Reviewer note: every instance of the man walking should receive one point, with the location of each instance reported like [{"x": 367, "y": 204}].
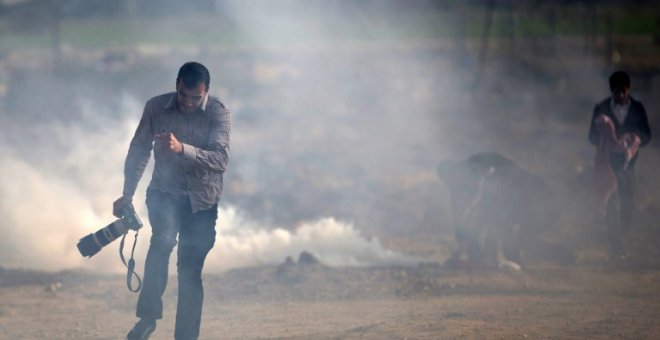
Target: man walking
[{"x": 189, "y": 132}]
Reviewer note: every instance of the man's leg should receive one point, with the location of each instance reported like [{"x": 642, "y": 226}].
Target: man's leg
[
  {"x": 164, "y": 219},
  {"x": 196, "y": 238},
  {"x": 626, "y": 183},
  {"x": 619, "y": 212},
  {"x": 492, "y": 243},
  {"x": 613, "y": 222},
  {"x": 510, "y": 243}
]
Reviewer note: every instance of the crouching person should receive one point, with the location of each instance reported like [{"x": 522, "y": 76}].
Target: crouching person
[{"x": 499, "y": 211}]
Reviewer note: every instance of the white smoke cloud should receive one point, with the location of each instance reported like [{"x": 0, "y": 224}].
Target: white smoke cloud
[
  {"x": 45, "y": 215},
  {"x": 48, "y": 204},
  {"x": 42, "y": 217},
  {"x": 242, "y": 242},
  {"x": 50, "y": 201}
]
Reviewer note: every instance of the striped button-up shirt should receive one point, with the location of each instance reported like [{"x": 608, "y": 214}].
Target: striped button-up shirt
[{"x": 197, "y": 172}]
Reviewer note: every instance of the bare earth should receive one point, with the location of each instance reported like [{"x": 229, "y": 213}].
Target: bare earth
[{"x": 317, "y": 302}]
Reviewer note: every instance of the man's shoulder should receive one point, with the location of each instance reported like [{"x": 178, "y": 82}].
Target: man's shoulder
[
  {"x": 636, "y": 104},
  {"x": 161, "y": 100},
  {"x": 605, "y": 103},
  {"x": 214, "y": 106}
]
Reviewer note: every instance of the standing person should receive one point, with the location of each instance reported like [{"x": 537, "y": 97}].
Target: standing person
[
  {"x": 189, "y": 132},
  {"x": 619, "y": 126}
]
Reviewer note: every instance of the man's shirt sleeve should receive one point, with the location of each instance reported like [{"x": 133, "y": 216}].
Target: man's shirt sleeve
[
  {"x": 138, "y": 152},
  {"x": 643, "y": 130},
  {"x": 216, "y": 156}
]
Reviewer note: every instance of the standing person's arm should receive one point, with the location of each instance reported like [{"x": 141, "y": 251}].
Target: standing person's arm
[
  {"x": 216, "y": 156},
  {"x": 137, "y": 158}
]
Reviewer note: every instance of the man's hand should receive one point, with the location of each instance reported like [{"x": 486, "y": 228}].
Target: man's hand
[
  {"x": 168, "y": 141},
  {"x": 632, "y": 142},
  {"x": 120, "y": 203},
  {"x": 602, "y": 119}
]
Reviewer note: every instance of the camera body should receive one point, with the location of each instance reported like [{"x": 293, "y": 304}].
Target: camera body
[{"x": 93, "y": 243}]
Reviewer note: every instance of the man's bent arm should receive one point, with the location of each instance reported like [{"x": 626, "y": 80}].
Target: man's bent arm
[{"x": 217, "y": 155}]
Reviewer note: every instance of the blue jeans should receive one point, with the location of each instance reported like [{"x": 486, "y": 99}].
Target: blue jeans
[{"x": 169, "y": 215}]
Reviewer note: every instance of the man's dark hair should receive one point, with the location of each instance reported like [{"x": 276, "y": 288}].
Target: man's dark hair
[
  {"x": 192, "y": 74},
  {"x": 619, "y": 80}
]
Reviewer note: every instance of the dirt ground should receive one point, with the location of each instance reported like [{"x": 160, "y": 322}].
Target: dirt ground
[{"x": 596, "y": 301}]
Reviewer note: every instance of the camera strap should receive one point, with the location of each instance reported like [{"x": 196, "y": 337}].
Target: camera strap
[{"x": 130, "y": 265}]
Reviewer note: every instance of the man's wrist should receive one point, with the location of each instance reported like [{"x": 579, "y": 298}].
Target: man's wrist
[{"x": 188, "y": 152}]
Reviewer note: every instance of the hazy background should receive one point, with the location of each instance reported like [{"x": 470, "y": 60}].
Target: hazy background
[{"x": 341, "y": 112}]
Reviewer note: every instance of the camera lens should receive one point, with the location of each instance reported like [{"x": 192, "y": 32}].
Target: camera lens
[{"x": 92, "y": 243}]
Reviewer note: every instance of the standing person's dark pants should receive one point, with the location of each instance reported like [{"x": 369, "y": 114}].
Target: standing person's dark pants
[
  {"x": 620, "y": 209},
  {"x": 169, "y": 215}
]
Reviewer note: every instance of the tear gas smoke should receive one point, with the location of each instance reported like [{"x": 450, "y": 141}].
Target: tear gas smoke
[
  {"x": 49, "y": 203},
  {"x": 245, "y": 243},
  {"x": 348, "y": 126}
]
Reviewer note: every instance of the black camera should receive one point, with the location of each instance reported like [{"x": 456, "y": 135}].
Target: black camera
[{"x": 93, "y": 243}]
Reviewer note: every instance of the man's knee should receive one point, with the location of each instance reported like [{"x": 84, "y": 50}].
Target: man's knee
[
  {"x": 190, "y": 264},
  {"x": 192, "y": 257},
  {"x": 163, "y": 243}
]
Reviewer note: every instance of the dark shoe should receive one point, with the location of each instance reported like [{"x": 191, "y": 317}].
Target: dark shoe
[{"x": 142, "y": 329}]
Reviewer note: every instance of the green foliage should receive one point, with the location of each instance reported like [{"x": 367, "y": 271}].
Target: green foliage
[{"x": 220, "y": 29}]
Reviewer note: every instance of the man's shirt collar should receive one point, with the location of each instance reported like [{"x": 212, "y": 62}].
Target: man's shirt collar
[
  {"x": 620, "y": 111},
  {"x": 172, "y": 103}
]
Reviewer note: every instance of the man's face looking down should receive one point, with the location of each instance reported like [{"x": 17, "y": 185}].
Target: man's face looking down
[
  {"x": 620, "y": 94},
  {"x": 190, "y": 99}
]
